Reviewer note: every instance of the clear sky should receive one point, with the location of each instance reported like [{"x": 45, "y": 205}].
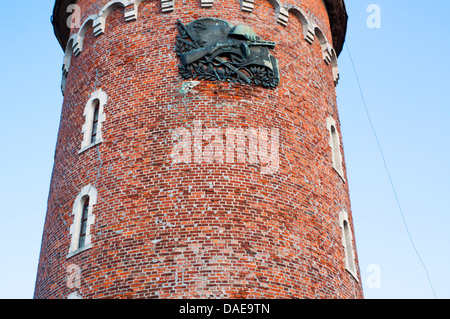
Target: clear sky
[{"x": 403, "y": 71}]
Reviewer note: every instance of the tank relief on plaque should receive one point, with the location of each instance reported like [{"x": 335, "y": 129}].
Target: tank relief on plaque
[{"x": 213, "y": 49}]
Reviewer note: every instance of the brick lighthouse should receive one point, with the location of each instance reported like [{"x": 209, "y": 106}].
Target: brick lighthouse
[{"x": 199, "y": 153}]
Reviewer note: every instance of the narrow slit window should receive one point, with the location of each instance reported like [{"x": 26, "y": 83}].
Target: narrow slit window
[
  {"x": 349, "y": 248},
  {"x": 83, "y": 220},
  {"x": 347, "y": 242},
  {"x": 336, "y": 150},
  {"x": 83, "y": 224},
  {"x": 95, "y": 122},
  {"x": 94, "y": 113},
  {"x": 335, "y": 145}
]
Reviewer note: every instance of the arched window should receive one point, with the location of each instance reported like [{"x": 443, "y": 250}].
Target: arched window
[
  {"x": 326, "y": 48},
  {"x": 347, "y": 242},
  {"x": 94, "y": 117},
  {"x": 66, "y": 63},
  {"x": 335, "y": 145},
  {"x": 83, "y": 219}
]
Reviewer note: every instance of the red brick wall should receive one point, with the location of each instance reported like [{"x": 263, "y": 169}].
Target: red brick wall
[{"x": 197, "y": 230}]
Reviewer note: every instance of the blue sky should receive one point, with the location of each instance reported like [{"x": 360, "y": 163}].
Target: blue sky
[{"x": 403, "y": 70}]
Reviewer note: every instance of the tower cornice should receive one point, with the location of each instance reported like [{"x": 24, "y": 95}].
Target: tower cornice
[{"x": 336, "y": 11}]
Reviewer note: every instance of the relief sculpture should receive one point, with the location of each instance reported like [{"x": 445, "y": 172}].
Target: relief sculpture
[{"x": 213, "y": 49}]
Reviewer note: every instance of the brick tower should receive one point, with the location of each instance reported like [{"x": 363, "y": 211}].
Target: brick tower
[{"x": 199, "y": 153}]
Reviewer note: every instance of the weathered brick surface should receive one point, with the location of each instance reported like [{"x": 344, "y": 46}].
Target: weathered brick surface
[{"x": 166, "y": 230}]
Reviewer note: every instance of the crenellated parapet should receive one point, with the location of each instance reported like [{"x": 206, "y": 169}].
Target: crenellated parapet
[
  {"x": 282, "y": 14},
  {"x": 335, "y": 8}
]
